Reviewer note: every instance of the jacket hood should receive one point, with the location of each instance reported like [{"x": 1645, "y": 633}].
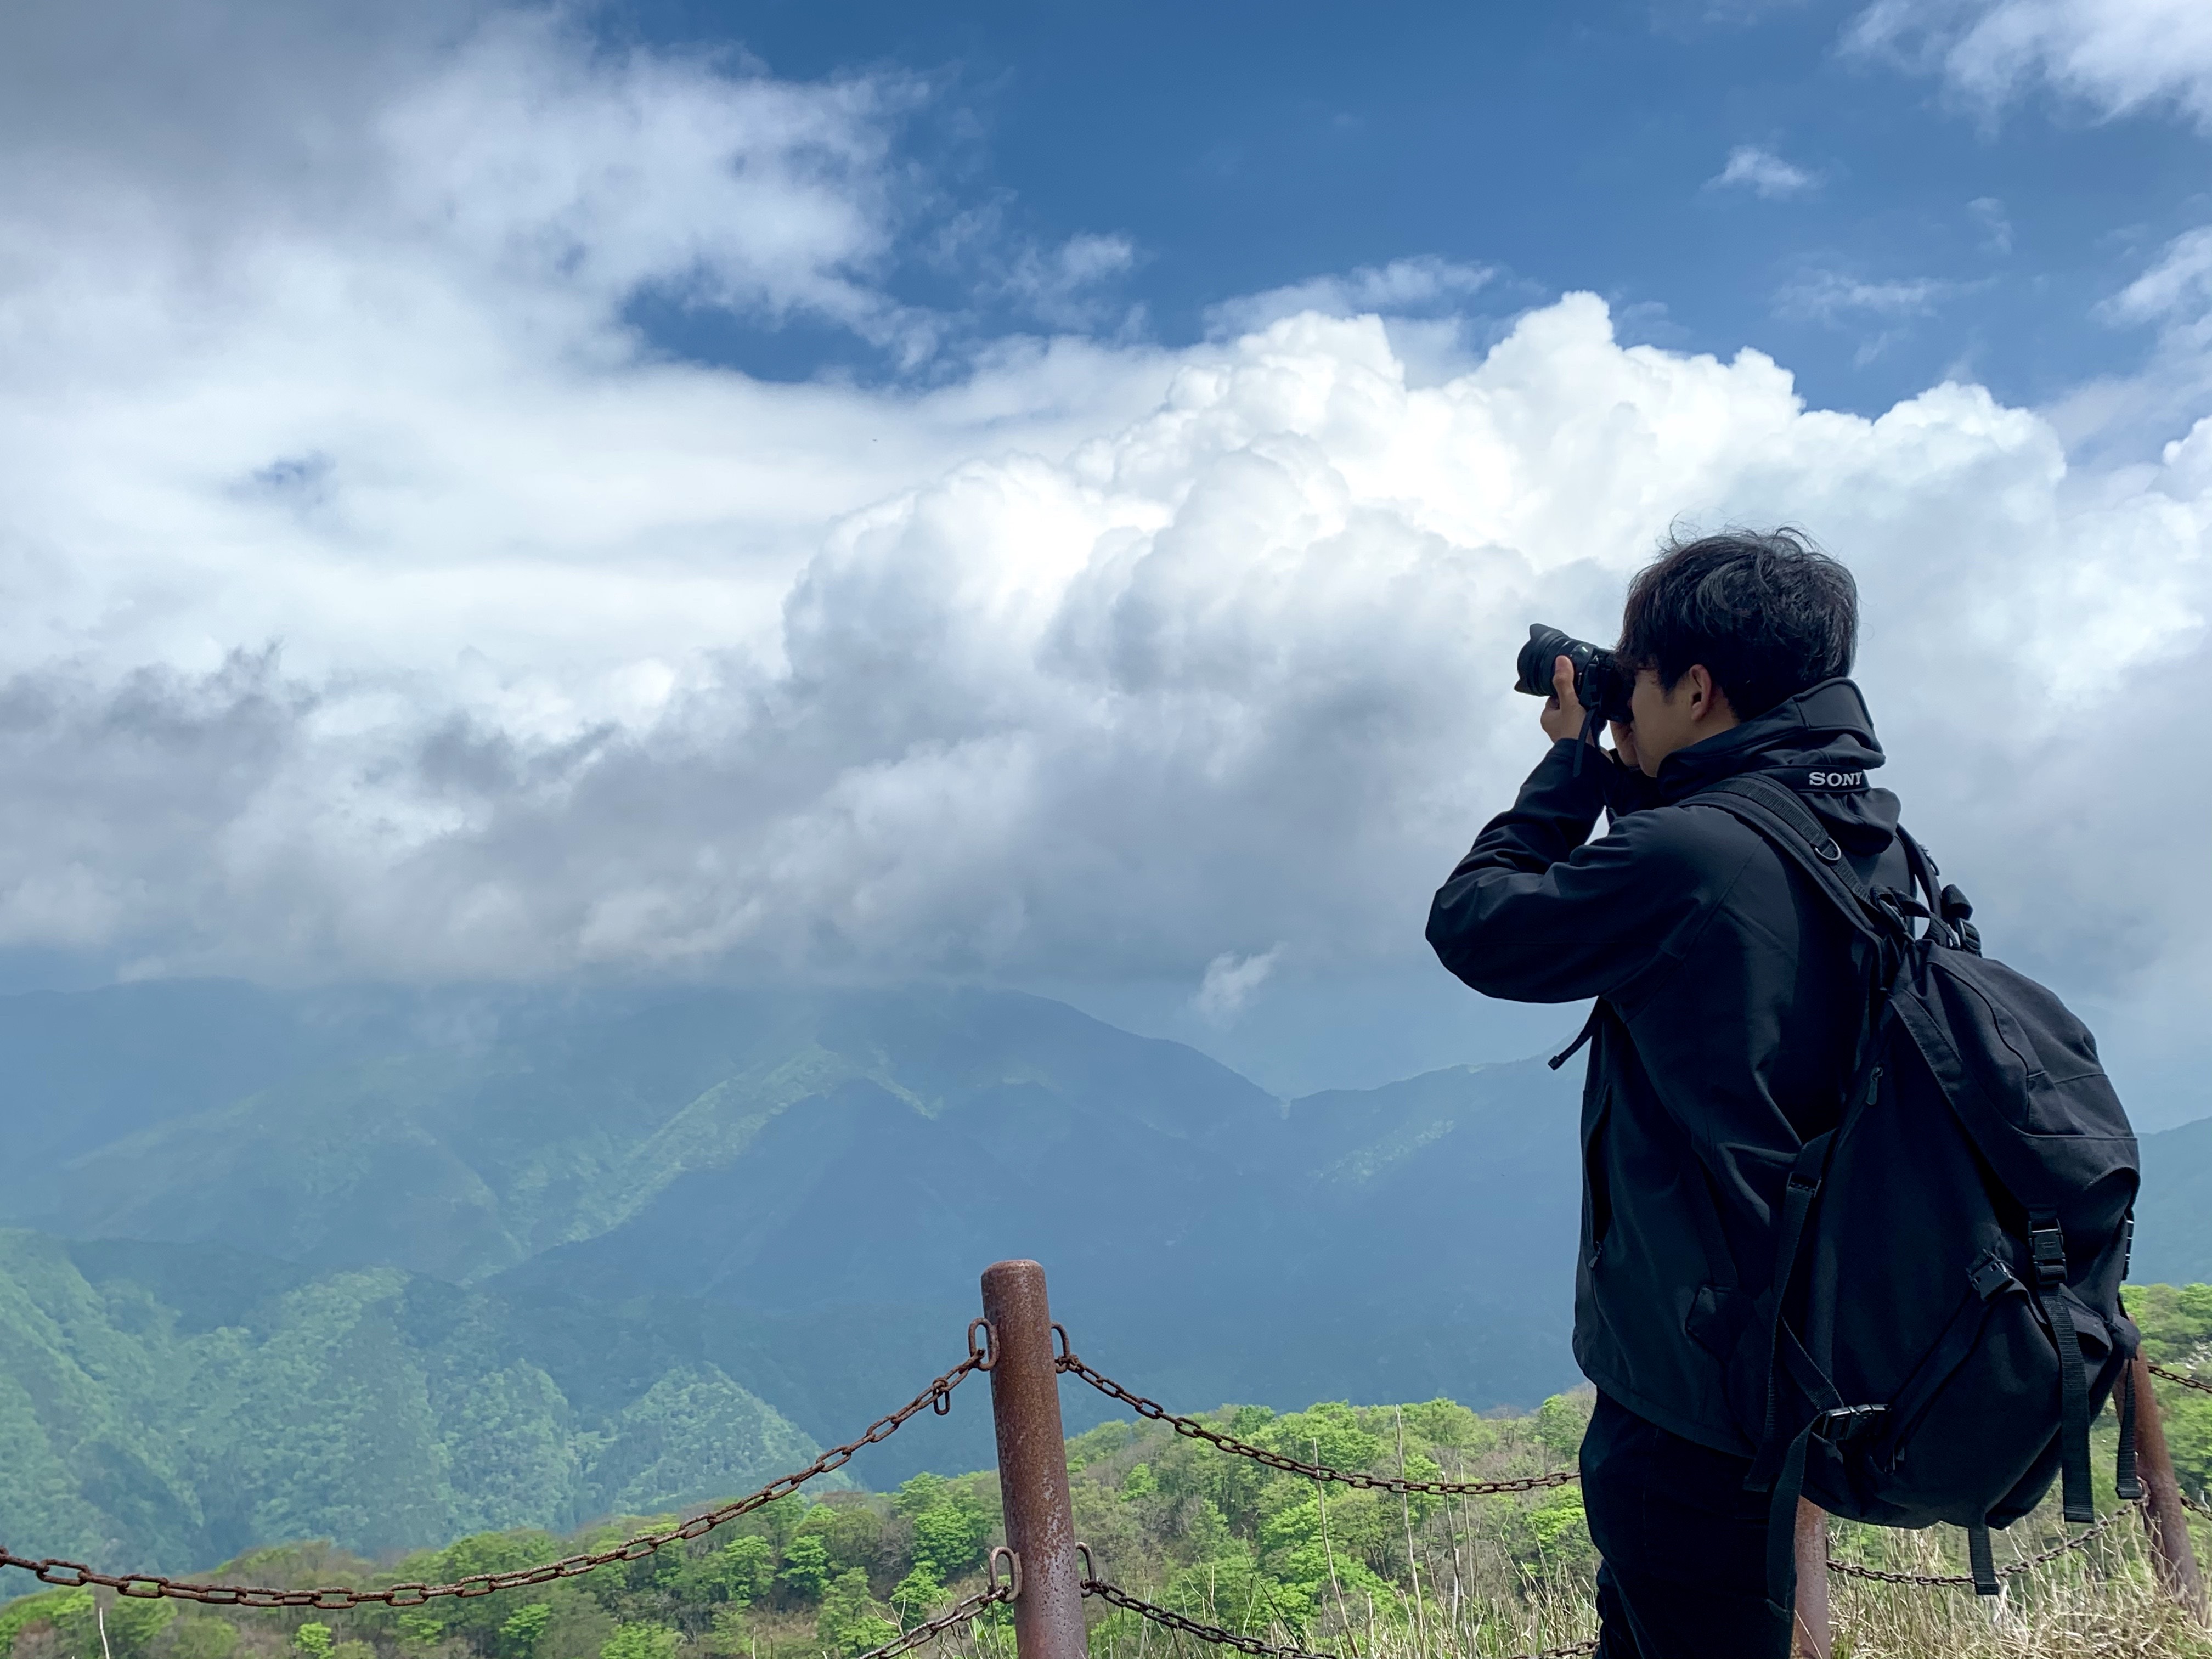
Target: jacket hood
[{"x": 1820, "y": 743}]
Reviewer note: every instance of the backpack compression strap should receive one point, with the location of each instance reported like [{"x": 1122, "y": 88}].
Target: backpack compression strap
[{"x": 2048, "y": 1245}]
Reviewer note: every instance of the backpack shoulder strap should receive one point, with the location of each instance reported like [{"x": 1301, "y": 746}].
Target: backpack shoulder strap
[{"x": 1775, "y": 811}]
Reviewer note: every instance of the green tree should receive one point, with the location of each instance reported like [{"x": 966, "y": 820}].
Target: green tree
[
  {"x": 313, "y": 1640},
  {"x": 1561, "y": 1422},
  {"x": 917, "y": 1593},
  {"x": 746, "y": 1568},
  {"x": 806, "y": 1566},
  {"x": 950, "y": 1534},
  {"x": 640, "y": 1641},
  {"x": 203, "y": 1637},
  {"x": 1228, "y": 1589},
  {"x": 2176, "y": 1321},
  {"x": 41, "y": 1607},
  {"x": 850, "y": 1622},
  {"x": 522, "y": 1630},
  {"x": 133, "y": 1624}
]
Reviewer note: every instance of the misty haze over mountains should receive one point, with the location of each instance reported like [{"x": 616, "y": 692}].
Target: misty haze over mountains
[{"x": 528, "y": 1257}]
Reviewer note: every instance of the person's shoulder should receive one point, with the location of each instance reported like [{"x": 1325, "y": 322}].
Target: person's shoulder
[{"x": 1693, "y": 839}]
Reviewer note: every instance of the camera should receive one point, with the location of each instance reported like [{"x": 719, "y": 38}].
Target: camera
[{"x": 1599, "y": 681}]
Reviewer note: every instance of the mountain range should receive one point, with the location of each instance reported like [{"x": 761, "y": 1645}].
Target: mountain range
[{"x": 552, "y": 1255}]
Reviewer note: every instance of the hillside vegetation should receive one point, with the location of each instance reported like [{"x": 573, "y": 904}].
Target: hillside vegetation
[
  {"x": 171, "y": 1406},
  {"x": 1222, "y": 1539}
]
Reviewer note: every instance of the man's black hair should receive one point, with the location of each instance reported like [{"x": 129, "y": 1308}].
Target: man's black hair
[{"x": 1766, "y": 613}]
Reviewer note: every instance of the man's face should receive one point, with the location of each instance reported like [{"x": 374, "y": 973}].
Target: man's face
[{"x": 1664, "y": 721}]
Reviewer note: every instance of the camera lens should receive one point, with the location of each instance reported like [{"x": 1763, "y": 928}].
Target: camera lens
[
  {"x": 1599, "y": 682},
  {"x": 1546, "y": 646}
]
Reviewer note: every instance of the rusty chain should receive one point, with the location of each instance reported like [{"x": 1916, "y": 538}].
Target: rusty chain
[
  {"x": 959, "y": 1613},
  {"x": 149, "y": 1586},
  {"x": 2188, "y": 1380},
  {"x": 937, "y": 1395},
  {"x": 2010, "y": 1570},
  {"x": 1193, "y": 1429},
  {"x": 1116, "y": 1596}
]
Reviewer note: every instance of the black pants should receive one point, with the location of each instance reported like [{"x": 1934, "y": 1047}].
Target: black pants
[{"x": 1684, "y": 1545}]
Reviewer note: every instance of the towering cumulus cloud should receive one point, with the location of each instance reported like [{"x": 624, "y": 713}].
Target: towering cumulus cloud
[
  {"x": 377, "y": 602},
  {"x": 1230, "y": 676}
]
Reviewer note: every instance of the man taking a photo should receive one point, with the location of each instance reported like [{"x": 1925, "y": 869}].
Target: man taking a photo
[{"x": 1730, "y": 998}]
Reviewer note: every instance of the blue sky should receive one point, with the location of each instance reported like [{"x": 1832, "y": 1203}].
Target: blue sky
[
  {"x": 1900, "y": 233},
  {"x": 1049, "y": 496}
]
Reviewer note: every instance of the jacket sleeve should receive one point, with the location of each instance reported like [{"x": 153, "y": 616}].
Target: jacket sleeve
[{"x": 1537, "y": 911}]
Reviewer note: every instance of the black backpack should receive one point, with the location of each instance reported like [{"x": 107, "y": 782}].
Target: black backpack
[{"x": 1944, "y": 1314}]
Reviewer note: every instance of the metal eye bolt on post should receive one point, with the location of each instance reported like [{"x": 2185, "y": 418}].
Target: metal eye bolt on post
[{"x": 1016, "y": 1326}]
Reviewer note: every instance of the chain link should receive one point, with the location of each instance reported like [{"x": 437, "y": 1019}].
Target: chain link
[
  {"x": 2187, "y": 1379},
  {"x": 1193, "y": 1429},
  {"x": 1214, "y": 1633},
  {"x": 959, "y": 1613},
  {"x": 149, "y": 1586},
  {"x": 2010, "y": 1570},
  {"x": 1252, "y": 1644}
]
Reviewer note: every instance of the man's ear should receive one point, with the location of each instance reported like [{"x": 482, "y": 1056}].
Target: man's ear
[{"x": 1707, "y": 701}]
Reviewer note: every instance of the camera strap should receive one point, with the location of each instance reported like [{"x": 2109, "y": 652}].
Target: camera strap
[{"x": 1588, "y": 739}]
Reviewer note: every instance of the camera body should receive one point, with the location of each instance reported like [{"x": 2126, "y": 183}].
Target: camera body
[{"x": 1600, "y": 682}]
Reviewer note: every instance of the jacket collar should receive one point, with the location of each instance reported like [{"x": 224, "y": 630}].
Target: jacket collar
[{"x": 1823, "y": 735}]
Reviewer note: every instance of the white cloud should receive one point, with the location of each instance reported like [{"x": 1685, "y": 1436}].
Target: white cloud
[
  {"x": 1763, "y": 172},
  {"x": 1829, "y": 296},
  {"x": 528, "y": 155},
  {"x": 1092, "y": 658},
  {"x": 1115, "y": 706},
  {"x": 1066, "y": 286},
  {"x": 1416, "y": 287},
  {"x": 2179, "y": 284},
  {"x": 2135, "y": 411},
  {"x": 1884, "y": 309},
  {"x": 1996, "y": 228},
  {"x": 2116, "y": 55},
  {"x": 1230, "y": 982}
]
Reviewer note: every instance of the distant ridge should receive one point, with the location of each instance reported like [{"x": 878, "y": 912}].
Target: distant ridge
[
  {"x": 177, "y": 1404},
  {"x": 2173, "y": 1219},
  {"x": 841, "y": 1161}
]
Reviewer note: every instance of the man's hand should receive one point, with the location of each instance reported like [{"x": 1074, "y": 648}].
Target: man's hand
[
  {"x": 1624, "y": 746},
  {"x": 1562, "y": 715}
]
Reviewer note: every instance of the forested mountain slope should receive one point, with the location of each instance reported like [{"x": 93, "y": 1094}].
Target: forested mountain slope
[
  {"x": 172, "y": 1406},
  {"x": 2173, "y": 1221},
  {"x": 848, "y": 1164}
]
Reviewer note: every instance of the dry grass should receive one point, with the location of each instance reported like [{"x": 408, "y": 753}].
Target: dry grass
[
  {"x": 2100, "y": 1600},
  {"x": 2097, "y": 1602}
]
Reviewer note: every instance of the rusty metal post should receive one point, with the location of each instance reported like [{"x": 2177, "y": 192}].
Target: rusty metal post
[
  {"x": 1033, "y": 1463},
  {"x": 1815, "y": 1636},
  {"x": 2173, "y": 1554}
]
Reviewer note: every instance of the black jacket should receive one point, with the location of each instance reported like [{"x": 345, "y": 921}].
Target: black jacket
[{"x": 1731, "y": 1000}]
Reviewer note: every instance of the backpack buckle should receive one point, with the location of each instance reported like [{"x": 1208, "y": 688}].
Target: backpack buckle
[
  {"x": 1841, "y": 1424},
  {"x": 1989, "y": 1275},
  {"x": 2048, "y": 1245}
]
